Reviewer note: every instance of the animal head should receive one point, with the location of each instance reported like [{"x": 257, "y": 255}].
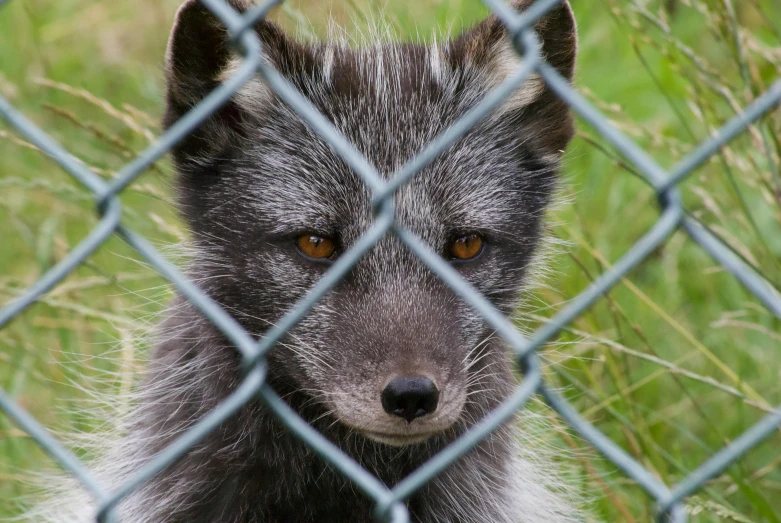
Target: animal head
[{"x": 391, "y": 351}]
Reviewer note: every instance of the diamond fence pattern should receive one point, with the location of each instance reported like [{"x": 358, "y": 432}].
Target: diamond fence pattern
[{"x": 389, "y": 503}]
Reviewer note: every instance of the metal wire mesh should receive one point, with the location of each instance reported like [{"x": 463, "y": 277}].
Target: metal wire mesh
[{"x": 389, "y": 504}]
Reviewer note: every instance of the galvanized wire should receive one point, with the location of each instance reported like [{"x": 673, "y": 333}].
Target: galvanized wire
[{"x": 389, "y": 503}]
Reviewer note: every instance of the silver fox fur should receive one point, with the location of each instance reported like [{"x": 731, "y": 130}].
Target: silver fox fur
[{"x": 255, "y": 177}]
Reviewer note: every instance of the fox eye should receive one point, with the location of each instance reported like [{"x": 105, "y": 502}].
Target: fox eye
[
  {"x": 317, "y": 247},
  {"x": 467, "y": 247}
]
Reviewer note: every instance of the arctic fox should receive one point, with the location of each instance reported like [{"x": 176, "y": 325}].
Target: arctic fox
[{"x": 391, "y": 365}]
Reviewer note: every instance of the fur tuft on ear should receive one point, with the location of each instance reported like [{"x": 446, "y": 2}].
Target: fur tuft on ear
[
  {"x": 199, "y": 58},
  {"x": 487, "y": 48}
]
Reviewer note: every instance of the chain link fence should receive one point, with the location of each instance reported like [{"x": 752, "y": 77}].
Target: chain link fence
[{"x": 389, "y": 502}]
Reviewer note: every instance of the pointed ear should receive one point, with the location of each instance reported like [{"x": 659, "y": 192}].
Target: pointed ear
[
  {"x": 199, "y": 57},
  {"x": 487, "y": 48}
]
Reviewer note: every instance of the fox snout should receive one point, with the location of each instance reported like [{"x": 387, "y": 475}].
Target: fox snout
[
  {"x": 399, "y": 408},
  {"x": 396, "y": 368}
]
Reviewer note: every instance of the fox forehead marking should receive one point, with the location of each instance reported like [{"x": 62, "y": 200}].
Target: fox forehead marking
[{"x": 313, "y": 190}]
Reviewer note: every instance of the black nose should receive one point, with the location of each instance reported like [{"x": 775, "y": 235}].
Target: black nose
[{"x": 410, "y": 398}]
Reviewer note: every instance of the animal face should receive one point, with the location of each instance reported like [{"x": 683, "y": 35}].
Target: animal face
[{"x": 391, "y": 352}]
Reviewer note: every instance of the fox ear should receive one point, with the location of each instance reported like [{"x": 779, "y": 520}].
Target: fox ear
[
  {"x": 487, "y": 48},
  {"x": 199, "y": 57}
]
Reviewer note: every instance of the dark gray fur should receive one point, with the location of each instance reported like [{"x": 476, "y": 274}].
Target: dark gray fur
[{"x": 254, "y": 178}]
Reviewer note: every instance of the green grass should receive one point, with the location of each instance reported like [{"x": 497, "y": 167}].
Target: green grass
[{"x": 678, "y": 360}]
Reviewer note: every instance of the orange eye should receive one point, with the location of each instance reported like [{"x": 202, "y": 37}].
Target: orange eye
[
  {"x": 316, "y": 246},
  {"x": 467, "y": 247}
]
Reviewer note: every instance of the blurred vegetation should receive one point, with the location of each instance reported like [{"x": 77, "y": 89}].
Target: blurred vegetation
[{"x": 678, "y": 360}]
